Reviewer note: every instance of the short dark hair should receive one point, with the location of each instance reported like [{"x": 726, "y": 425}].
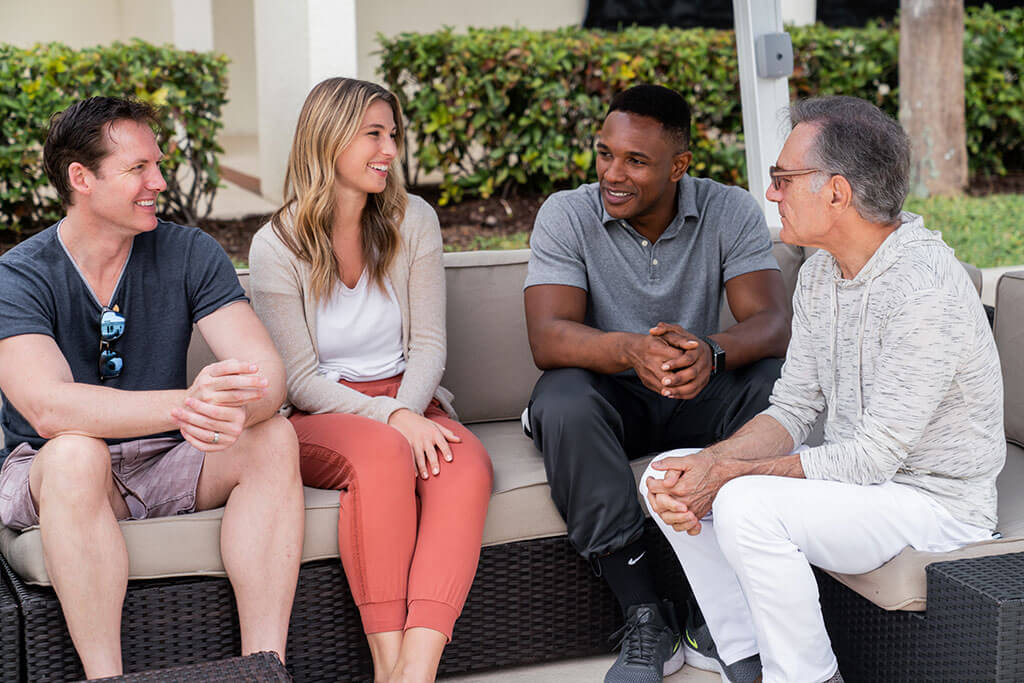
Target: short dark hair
[
  {"x": 664, "y": 105},
  {"x": 77, "y": 134},
  {"x": 860, "y": 142}
]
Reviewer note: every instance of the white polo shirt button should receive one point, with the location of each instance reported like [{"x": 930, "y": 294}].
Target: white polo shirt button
[{"x": 654, "y": 262}]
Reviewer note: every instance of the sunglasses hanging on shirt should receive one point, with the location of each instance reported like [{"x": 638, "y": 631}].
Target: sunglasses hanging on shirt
[{"x": 111, "y": 329}]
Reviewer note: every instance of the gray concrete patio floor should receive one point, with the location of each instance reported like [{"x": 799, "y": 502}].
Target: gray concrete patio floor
[{"x": 584, "y": 670}]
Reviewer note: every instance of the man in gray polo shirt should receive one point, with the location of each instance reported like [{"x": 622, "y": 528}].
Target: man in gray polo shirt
[{"x": 622, "y": 302}]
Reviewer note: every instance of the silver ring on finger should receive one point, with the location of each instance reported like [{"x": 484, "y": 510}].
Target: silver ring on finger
[{"x": 216, "y": 438}]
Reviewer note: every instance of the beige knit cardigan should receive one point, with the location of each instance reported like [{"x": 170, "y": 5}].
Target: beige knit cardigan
[{"x": 283, "y": 299}]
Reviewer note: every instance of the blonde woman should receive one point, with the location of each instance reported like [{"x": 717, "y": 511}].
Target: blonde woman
[{"x": 348, "y": 278}]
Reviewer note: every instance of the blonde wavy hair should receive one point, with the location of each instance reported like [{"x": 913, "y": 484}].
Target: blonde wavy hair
[{"x": 329, "y": 120}]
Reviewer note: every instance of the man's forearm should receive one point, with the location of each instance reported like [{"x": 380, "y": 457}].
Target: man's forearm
[
  {"x": 564, "y": 343},
  {"x": 103, "y": 412},
  {"x": 762, "y": 438},
  {"x": 762, "y": 335},
  {"x": 779, "y": 466}
]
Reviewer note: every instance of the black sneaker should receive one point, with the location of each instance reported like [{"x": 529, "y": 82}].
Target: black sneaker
[
  {"x": 702, "y": 654},
  {"x": 650, "y": 648}
]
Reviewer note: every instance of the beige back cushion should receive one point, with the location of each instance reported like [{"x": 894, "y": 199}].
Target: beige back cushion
[
  {"x": 490, "y": 369},
  {"x": 1009, "y": 333}
]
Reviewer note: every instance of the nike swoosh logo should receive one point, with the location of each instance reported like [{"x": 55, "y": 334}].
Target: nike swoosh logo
[
  {"x": 691, "y": 641},
  {"x": 634, "y": 560}
]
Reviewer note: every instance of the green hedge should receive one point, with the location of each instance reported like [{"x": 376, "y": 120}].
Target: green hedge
[
  {"x": 188, "y": 88},
  {"x": 498, "y": 109}
]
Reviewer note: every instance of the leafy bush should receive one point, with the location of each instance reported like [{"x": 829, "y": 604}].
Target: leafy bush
[
  {"x": 994, "y": 79},
  {"x": 499, "y": 109},
  {"x": 188, "y": 88}
]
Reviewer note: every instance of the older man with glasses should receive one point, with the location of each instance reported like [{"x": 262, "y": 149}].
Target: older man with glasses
[
  {"x": 891, "y": 343},
  {"x": 98, "y": 418}
]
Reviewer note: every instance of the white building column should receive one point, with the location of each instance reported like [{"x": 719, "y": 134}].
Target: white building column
[
  {"x": 763, "y": 99},
  {"x": 192, "y": 24},
  {"x": 298, "y": 44}
]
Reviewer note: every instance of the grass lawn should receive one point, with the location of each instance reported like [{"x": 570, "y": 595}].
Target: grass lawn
[{"x": 985, "y": 231}]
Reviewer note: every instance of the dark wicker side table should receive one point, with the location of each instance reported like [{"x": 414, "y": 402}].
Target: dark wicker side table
[
  {"x": 973, "y": 629},
  {"x": 262, "y": 667}
]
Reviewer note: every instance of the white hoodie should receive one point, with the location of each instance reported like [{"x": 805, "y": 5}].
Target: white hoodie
[{"x": 903, "y": 359}]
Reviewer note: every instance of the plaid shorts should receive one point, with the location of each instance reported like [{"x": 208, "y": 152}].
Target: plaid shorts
[{"x": 156, "y": 478}]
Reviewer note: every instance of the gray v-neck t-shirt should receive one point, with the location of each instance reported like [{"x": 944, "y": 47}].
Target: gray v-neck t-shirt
[
  {"x": 718, "y": 233},
  {"x": 173, "y": 277}
]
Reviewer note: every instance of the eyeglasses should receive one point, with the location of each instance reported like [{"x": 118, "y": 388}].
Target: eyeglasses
[
  {"x": 777, "y": 174},
  {"x": 111, "y": 329}
]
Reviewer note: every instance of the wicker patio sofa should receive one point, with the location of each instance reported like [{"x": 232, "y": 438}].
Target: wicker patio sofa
[{"x": 533, "y": 599}]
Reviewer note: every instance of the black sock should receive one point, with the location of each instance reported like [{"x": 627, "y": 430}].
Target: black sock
[{"x": 628, "y": 573}]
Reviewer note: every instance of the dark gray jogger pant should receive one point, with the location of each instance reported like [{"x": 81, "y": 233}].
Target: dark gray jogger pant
[{"x": 589, "y": 426}]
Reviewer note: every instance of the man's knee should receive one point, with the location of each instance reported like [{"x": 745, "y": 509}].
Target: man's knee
[
  {"x": 273, "y": 443},
  {"x": 660, "y": 474},
  {"x": 71, "y": 468},
  {"x": 745, "y": 513},
  {"x": 567, "y": 398}
]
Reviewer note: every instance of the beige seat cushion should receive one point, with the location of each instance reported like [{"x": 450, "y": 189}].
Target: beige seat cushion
[
  {"x": 188, "y": 545},
  {"x": 183, "y": 545},
  {"x": 901, "y": 582}
]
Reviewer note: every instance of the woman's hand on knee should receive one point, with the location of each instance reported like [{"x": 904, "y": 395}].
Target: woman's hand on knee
[{"x": 426, "y": 438}]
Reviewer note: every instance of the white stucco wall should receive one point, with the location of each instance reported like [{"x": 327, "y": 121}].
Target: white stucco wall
[
  {"x": 233, "y": 35},
  {"x": 82, "y": 24},
  {"x": 151, "y": 20}
]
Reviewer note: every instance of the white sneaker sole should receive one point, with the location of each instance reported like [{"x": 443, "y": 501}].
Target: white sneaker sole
[
  {"x": 699, "y": 661},
  {"x": 675, "y": 662}
]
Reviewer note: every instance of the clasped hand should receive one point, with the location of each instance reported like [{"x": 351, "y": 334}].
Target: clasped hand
[
  {"x": 213, "y": 414},
  {"x": 673, "y": 362},
  {"x": 685, "y": 494}
]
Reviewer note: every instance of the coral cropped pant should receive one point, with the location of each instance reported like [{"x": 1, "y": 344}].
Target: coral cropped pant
[{"x": 409, "y": 546}]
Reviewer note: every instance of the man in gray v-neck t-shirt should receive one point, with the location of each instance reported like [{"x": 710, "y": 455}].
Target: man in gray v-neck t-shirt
[
  {"x": 622, "y": 301},
  {"x": 97, "y": 410}
]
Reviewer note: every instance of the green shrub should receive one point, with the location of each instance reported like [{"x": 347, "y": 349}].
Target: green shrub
[
  {"x": 188, "y": 88},
  {"x": 994, "y": 80},
  {"x": 499, "y": 109}
]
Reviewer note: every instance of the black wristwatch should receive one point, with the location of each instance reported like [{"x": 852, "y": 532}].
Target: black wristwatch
[{"x": 717, "y": 356}]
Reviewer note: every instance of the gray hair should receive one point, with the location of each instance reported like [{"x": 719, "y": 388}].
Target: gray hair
[{"x": 858, "y": 141}]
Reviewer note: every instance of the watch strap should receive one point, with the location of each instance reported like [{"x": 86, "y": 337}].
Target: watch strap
[{"x": 717, "y": 356}]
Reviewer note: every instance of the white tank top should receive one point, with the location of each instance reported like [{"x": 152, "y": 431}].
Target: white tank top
[{"x": 359, "y": 332}]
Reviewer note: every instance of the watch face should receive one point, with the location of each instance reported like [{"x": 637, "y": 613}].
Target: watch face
[{"x": 717, "y": 356}]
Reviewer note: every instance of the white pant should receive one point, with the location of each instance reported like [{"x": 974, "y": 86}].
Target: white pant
[{"x": 750, "y": 566}]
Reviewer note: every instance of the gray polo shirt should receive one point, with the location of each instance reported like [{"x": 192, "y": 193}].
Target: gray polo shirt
[{"x": 718, "y": 233}]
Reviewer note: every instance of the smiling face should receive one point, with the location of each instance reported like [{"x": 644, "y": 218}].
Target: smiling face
[
  {"x": 638, "y": 166},
  {"x": 806, "y": 214},
  {"x": 363, "y": 165},
  {"x": 122, "y": 193}
]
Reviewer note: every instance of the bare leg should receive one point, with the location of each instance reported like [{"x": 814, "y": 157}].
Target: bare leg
[
  {"x": 261, "y": 534},
  {"x": 384, "y": 649},
  {"x": 420, "y": 655},
  {"x": 83, "y": 547}
]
